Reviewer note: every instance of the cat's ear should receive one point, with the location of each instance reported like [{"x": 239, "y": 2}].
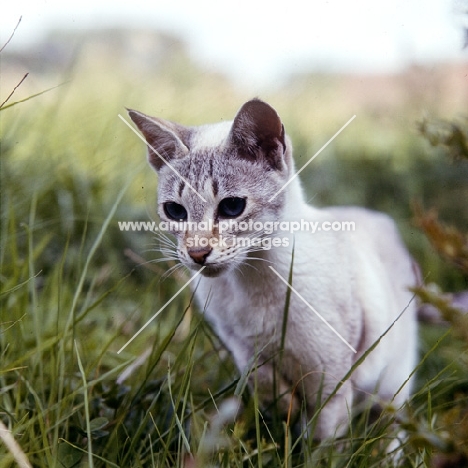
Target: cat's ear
[
  {"x": 166, "y": 140},
  {"x": 258, "y": 134}
]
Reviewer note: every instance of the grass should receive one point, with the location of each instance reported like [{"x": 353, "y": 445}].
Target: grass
[{"x": 73, "y": 292}]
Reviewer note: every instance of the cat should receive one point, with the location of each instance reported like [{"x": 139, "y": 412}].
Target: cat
[{"x": 348, "y": 286}]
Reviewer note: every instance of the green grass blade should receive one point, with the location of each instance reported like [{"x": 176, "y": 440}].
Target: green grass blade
[{"x": 86, "y": 407}]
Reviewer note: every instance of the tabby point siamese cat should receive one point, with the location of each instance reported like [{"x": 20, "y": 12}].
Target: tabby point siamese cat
[{"x": 349, "y": 285}]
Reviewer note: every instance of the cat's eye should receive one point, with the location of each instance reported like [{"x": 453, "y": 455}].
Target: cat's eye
[
  {"x": 175, "y": 211},
  {"x": 231, "y": 207}
]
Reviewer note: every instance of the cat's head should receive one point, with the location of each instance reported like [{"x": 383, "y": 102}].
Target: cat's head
[{"x": 216, "y": 178}]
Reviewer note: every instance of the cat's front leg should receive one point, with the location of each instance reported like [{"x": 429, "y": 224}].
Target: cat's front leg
[
  {"x": 274, "y": 391},
  {"x": 331, "y": 420},
  {"x": 264, "y": 380},
  {"x": 335, "y": 416}
]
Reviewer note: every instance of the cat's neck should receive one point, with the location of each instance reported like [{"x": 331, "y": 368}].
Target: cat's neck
[{"x": 295, "y": 203}]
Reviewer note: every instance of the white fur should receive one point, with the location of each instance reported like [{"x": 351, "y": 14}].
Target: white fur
[{"x": 210, "y": 136}]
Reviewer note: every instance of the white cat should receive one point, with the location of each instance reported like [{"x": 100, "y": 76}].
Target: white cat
[{"x": 349, "y": 286}]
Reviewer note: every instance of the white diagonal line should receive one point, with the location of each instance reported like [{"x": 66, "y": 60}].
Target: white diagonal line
[
  {"x": 160, "y": 310},
  {"x": 313, "y": 310},
  {"x": 312, "y": 158},
  {"x": 167, "y": 163}
]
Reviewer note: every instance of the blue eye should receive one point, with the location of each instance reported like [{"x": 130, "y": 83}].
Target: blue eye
[
  {"x": 175, "y": 211},
  {"x": 231, "y": 207}
]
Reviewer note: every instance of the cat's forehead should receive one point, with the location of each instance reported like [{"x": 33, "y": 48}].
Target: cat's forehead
[
  {"x": 210, "y": 157},
  {"x": 214, "y": 164}
]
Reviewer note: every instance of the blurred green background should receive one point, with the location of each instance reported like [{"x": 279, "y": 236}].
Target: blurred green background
[{"x": 69, "y": 147}]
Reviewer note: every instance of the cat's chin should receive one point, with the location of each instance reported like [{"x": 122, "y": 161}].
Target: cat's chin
[{"x": 210, "y": 271}]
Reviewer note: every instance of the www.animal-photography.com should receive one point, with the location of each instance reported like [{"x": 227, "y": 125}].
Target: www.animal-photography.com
[{"x": 234, "y": 235}]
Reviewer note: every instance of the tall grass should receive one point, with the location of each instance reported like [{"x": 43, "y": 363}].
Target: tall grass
[{"x": 73, "y": 292}]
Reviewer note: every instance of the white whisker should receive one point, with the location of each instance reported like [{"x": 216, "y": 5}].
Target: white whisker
[{"x": 172, "y": 270}]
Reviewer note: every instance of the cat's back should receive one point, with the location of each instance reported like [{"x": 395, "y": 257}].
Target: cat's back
[
  {"x": 376, "y": 234},
  {"x": 357, "y": 254}
]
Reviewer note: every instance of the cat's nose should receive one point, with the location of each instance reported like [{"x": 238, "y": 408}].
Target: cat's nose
[{"x": 199, "y": 255}]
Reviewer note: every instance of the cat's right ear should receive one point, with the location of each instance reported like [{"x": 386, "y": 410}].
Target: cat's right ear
[{"x": 166, "y": 140}]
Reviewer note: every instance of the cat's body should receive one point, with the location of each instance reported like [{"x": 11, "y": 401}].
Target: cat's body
[{"x": 355, "y": 282}]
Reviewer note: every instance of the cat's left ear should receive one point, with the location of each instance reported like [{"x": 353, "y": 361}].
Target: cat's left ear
[
  {"x": 258, "y": 134},
  {"x": 166, "y": 140}
]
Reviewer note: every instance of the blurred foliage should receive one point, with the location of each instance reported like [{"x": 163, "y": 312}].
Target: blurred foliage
[
  {"x": 452, "y": 136},
  {"x": 448, "y": 241},
  {"x": 452, "y": 245}
]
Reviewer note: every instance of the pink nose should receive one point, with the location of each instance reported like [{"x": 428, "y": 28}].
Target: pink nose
[{"x": 199, "y": 255}]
